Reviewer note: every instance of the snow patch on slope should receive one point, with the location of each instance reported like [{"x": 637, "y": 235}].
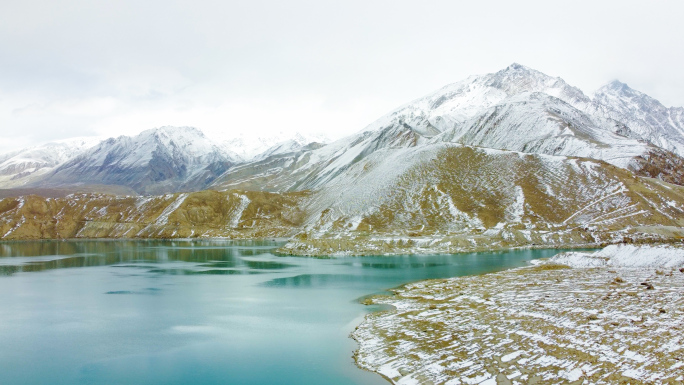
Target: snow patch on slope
[
  {"x": 625, "y": 256},
  {"x": 242, "y": 206},
  {"x": 164, "y": 216}
]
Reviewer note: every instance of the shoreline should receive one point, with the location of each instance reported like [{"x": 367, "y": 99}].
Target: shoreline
[
  {"x": 518, "y": 323},
  {"x": 352, "y": 253}
]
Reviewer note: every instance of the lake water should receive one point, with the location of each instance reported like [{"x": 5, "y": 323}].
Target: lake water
[{"x": 196, "y": 312}]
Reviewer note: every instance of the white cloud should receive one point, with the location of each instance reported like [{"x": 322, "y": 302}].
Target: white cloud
[{"x": 75, "y": 68}]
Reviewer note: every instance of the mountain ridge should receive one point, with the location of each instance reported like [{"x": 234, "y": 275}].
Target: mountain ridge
[{"x": 183, "y": 158}]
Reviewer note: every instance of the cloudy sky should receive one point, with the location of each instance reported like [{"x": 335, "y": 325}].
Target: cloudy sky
[{"x": 107, "y": 68}]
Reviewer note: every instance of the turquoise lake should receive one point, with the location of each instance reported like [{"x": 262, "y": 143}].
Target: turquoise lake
[{"x": 197, "y": 312}]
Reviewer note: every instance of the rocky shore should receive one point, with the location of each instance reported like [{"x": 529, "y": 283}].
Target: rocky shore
[{"x": 616, "y": 317}]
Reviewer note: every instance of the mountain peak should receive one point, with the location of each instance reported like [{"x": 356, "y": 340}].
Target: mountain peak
[
  {"x": 617, "y": 90},
  {"x": 518, "y": 67},
  {"x": 518, "y": 74},
  {"x": 521, "y": 70},
  {"x": 616, "y": 86},
  {"x": 517, "y": 78},
  {"x": 172, "y": 131}
]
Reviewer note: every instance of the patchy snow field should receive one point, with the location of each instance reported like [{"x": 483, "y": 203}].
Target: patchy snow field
[
  {"x": 621, "y": 322},
  {"x": 625, "y": 256}
]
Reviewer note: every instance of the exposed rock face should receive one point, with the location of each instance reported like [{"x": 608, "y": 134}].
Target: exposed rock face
[
  {"x": 660, "y": 164},
  {"x": 232, "y": 214}
]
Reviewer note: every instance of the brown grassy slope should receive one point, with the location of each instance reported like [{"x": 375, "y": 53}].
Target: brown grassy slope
[
  {"x": 467, "y": 198},
  {"x": 556, "y": 192},
  {"x": 661, "y": 164},
  {"x": 233, "y": 214}
]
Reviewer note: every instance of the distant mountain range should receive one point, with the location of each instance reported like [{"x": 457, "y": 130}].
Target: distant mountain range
[
  {"x": 512, "y": 158},
  {"x": 157, "y": 161}
]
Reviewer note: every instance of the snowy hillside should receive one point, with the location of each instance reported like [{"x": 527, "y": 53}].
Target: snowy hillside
[
  {"x": 517, "y": 157},
  {"x": 522, "y": 109},
  {"x": 311, "y": 169},
  {"x": 457, "y": 197},
  {"x": 541, "y": 124}
]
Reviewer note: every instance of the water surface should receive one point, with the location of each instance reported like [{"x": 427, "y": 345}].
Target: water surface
[{"x": 196, "y": 312}]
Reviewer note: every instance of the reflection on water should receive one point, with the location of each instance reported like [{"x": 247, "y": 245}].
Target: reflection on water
[
  {"x": 149, "y": 290},
  {"x": 215, "y": 256},
  {"x": 200, "y": 312},
  {"x": 312, "y": 280}
]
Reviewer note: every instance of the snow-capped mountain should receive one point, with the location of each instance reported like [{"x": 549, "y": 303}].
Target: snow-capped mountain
[
  {"x": 517, "y": 109},
  {"x": 521, "y": 109},
  {"x": 456, "y": 103},
  {"x": 516, "y": 138},
  {"x": 19, "y": 168},
  {"x": 644, "y": 117},
  {"x": 249, "y": 147},
  {"x": 160, "y": 160}
]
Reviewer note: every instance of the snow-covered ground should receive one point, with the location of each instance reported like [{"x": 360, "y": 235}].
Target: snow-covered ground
[
  {"x": 620, "y": 322},
  {"x": 662, "y": 256}
]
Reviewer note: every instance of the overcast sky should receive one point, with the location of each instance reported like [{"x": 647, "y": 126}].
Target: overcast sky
[{"x": 108, "y": 68}]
